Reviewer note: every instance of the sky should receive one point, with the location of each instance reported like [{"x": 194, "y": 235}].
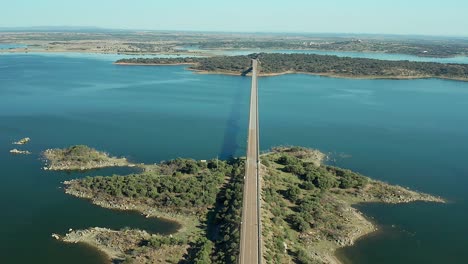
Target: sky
[{"x": 421, "y": 17}]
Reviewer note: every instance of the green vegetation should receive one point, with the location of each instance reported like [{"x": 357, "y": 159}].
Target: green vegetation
[
  {"x": 81, "y": 153},
  {"x": 228, "y": 219},
  {"x": 307, "y": 206},
  {"x": 306, "y": 209},
  {"x": 80, "y": 157},
  {"x": 183, "y": 184},
  {"x": 211, "y": 191},
  {"x": 318, "y": 64}
]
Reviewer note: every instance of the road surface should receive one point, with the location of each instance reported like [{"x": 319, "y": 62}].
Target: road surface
[{"x": 250, "y": 239}]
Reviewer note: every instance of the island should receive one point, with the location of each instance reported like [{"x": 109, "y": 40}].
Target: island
[
  {"x": 326, "y": 65},
  {"x": 22, "y": 141},
  {"x": 17, "y": 151},
  {"x": 307, "y": 208},
  {"x": 81, "y": 157}
]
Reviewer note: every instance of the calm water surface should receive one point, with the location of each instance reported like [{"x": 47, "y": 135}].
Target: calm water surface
[
  {"x": 409, "y": 132},
  {"x": 6, "y": 46}
]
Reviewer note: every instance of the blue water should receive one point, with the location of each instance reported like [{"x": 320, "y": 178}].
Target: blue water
[
  {"x": 408, "y": 132},
  {"x": 4, "y": 46},
  {"x": 95, "y": 56}
]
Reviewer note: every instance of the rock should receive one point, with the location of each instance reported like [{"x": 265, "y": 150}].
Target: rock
[
  {"x": 56, "y": 236},
  {"x": 16, "y": 151},
  {"x": 22, "y": 141}
]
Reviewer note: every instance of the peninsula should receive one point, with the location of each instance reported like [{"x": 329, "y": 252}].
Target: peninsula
[
  {"x": 326, "y": 65},
  {"x": 307, "y": 208}
]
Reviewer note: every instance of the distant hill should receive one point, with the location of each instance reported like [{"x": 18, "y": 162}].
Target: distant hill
[{"x": 56, "y": 29}]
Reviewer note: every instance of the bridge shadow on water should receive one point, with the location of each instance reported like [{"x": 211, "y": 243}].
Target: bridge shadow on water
[
  {"x": 233, "y": 127},
  {"x": 244, "y": 73}
]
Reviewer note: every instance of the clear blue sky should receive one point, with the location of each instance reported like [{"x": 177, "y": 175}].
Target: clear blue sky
[{"x": 432, "y": 17}]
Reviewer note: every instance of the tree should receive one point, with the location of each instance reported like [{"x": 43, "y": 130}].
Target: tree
[
  {"x": 298, "y": 223},
  {"x": 293, "y": 193}
]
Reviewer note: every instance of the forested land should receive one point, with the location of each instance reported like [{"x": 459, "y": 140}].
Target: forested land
[
  {"x": 210, "y": 190},
  {"x": 306, "y": 208},
  {"x": 416, "y": 47},
  {"x": 274, "y": 63}
]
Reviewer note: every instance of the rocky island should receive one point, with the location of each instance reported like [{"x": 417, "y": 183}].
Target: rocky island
[
  {"x": 22, "y": 141},
  {"x": 307, "y": 209},
  {"x": 17, "y": 151},
  {"x": 325, "y": 65},
  {"x": 80, "y": 157}
]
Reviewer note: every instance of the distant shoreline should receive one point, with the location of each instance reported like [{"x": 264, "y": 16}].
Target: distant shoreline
[
  {"x": 332, "y": 75},
  {"x": 150, "y": 64},
  {"x": 212, "y": 52},
  {"x": 28, "y": 51}
]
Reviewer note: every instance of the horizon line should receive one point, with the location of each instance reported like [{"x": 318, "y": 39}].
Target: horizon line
[{"x": 97, "y": 28}]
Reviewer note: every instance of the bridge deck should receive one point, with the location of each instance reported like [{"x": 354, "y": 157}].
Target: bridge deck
[{"x": 250, "y": 248}]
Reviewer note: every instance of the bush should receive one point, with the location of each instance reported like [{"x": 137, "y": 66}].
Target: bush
[
  {"x": 325, "y": 182},
  {"x": 348, "y": 179},
  {"x": 303, "y": 257},
  {"x": 288, "y": 160},
  {"x": 295, "y": 169},
  {"x": 293, "y": 193},
  {"x": 298, "y": 223}
]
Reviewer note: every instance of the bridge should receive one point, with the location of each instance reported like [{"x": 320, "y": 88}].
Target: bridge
[{"x": 251, "y": 238}]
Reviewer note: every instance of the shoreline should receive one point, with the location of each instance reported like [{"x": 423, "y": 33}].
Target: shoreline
[
  {"x": 315, "y": 241},
  {"x": 367, "y": 227},
  {"x": 151, "y": 64},
  {"x": 87, "y": 239},
  {"x": 331, "y": 75},
  {"x": 364, "y": 77},
  {"x": 212, "y": 52},
  {"x": 331, "y": 50},
  {"x": 71, "y": 159},
  {"x": 187, "y": 225},
  {"x": 323, "y": 241},
  {"x": 27, "y": 51},
  {"x": 144, "y": 210}
]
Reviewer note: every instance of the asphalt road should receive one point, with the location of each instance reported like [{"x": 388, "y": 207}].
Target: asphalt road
[{"x": 250, "y": 229}]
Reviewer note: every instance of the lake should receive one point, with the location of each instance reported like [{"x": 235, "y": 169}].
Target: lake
[
  {"x": 408, "y": 132},
  {"x": 6, "y": 46}
]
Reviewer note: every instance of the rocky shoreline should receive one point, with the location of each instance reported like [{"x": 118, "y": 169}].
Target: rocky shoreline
[
  {"x": 92, "y": 237},
  {"x": 319, "y": 243},
  {"x": 91, "y": 166},
  {"x": 81, "y": 158},
  {"x": 117, "y": 243},
  {"x": 334, "y": 223},
  {"x": 331, "y": 75},
  {"x": 126, "y": 204},
  {"x": 361, "y": 226}
]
